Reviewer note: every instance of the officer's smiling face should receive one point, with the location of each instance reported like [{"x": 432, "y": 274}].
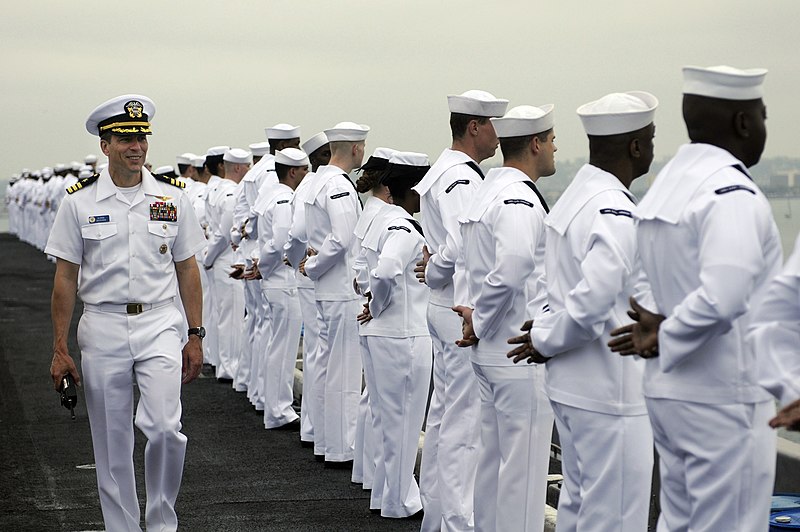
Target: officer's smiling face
[{"x": 126, "y": 154}]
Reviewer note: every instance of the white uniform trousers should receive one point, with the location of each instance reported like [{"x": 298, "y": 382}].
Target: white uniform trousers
[
  {"x": 402, "y": 380},
  {"x": 607, "y": 464},
  {"x": 210, "y": 316},
  {"x": 249, "y": 324},
  {"x": 308, "y": 308},
  {"x": 717, "y": 465},
  {"x": 337, "y": 379},
  {"x": 229, "y": 301},
  {"x": 454, "y": 453},
  {"x": 114, "y": 349},
  {"x": 516, "y": 430},
  {"x": 281, "y": 359},
  {"x": 364, "y": 452},
  {"x": 255, "y": 388}
]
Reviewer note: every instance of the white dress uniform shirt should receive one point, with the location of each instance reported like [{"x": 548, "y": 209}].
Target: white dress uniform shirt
[
  {"x": 775, "y": 334},
  {"x": 592, "y": 268},
  {"x": 400, "y": 353},
  {"x": 332, "y": 208},
  {"x": 502, "y": 262},
  {"x": 138, "y": 268},
  {"x": 709, "y": 246}
]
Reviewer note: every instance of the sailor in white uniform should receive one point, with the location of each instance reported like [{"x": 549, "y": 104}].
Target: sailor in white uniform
[
  {"x": 274, "y": 209},
  {"x": 502, "y": 258},
  {"x": 332, "y": 208},
  {"x": 126, "y": 241},
  {"x": 367, "y": 454},
  {"x": 399, "y": 344},
  {"x": 229, "y": 293},
  {"x": 452, "y": 431},
  {"x": 709, "y": 247},
  {"x": 591, "y": 263},
  {"x": 319, "y": 154}
]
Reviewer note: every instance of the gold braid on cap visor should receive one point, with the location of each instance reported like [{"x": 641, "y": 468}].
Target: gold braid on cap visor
[{"x": 127, "y": 127}]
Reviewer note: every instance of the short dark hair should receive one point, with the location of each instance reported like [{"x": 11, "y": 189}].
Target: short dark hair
[
  {"x": 460, "y": 121},
  {"x": 213, "y": 162},
  {"x": 514, "y": 146},
  {"x": 369, "y": 180},
  {"x": 282, "y": 170},
  {"x": 182, "y": 168}
]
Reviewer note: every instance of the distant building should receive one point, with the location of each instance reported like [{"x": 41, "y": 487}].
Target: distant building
[{"x": 785, "y": 179}]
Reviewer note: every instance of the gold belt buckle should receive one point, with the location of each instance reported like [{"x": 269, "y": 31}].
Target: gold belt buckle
[{"x": 134, "y": 308}]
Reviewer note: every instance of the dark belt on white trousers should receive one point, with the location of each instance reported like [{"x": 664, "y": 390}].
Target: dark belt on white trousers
[{"x": 127, "y": 308}]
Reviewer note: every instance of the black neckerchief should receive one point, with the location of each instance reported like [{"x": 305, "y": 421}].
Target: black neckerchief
[
  {"x": 417, "y": 226},
  {"x": 475, "y": 167},
  {"x": 358, "y": 197},
  {"x": 538, "y": 194}
]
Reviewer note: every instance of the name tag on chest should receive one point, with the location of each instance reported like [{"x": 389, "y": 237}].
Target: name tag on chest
[{"x": 162, "y": 211}]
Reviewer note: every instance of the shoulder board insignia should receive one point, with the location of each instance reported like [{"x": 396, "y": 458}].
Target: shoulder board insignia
[
  {"x": 518, "y": 202},
  {"x": 617, "y": 212},
  {"x": 83, "y": 183},
  {"x": 340, "y": 195},
  {"x": 281, "y": 202},
  {"x": 399, "y": 228},
  {"x": 731, "y": 188},
  {"x": 170, "y": 181},
  {"x": 455, "y": 183}
]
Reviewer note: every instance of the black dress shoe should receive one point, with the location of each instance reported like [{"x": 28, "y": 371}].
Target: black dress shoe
[
  {"x": 339, "y": 465},
  {"x": 292, "y": 425},
  {"x": 224, "y": 380},
  {"x": 306, "y": 444},
  {"x": 414, "y": 517},
  {"x": 319, "y": 457},
  {"x": 375, "y": 511}
]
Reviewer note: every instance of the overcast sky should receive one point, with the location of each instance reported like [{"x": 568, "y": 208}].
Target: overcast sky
[{"x": 219, "y": 72}]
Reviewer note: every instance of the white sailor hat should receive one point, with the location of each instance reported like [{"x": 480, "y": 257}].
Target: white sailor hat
[
  {"x": 129, "y": 114},
  {"x": 75, "y": 165},
  {"x": 85, "y": 172},
  {"x": 347, "y": 132},
  {"x": 199, "y": 161},
  {"x": 618, "y": 112},
  {"x": 283, "y": 131},
  {"x": 315, "y": 143},
  {"x": 259, "y": 149},
  {"x": 60, "y": 167},
  {"x": 47, "y": 171},
  {"x": 524, "y": 120},
  {"x": 161, "y": 170},
  {"x": 101, "y": 167},
  {"x": 86, "y": 167},
  {"x": 90, "y": 159},
  {"x": 291, "y": 157},
  {"x": 238, "y": 156},
  {"x": 477, "y": 103},
  {"x": 725, "y": 82},
  {"x": 406, "y": 165},
  {"x": 379, "y": 159},
  {"x": 185, "y": 158},
  {"x": 217, "y": 150}
]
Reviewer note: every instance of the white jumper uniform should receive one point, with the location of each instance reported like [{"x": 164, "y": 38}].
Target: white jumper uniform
[
  {"x": 367, "y": 449},
  {"x": 295, "y": 250},
  {"x": 332, "y": 208},
  {"x": 502, "y": 257},
  {"x": 274, "y": 211},
  {"x": 127, "y": 249},
  {"x": 775, "y": 335},
  {"x": 605, "y": 436},
  {"x": 709, "y": 247},
  {"x": 400, "y": 351},
  {"x": 452, "y": 430}
]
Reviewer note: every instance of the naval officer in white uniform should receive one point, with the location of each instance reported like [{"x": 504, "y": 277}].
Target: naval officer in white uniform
[
  {"x": 126, "y": 241},
  {"x": 603, "y": 429},
  {"x": 452, "y": 431},
  {"x": 709, "y": 247},
  {"x": 502, "y": 258}
]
